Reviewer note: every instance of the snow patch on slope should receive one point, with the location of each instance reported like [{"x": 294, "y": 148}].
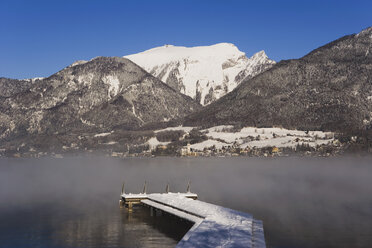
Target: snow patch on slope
[
  {"x": 179, "y": 128},
  {"x": 226, "y": 135},
  {"x": 113, "y": 83},
  {"x": 154, "y": 142},
  {"x": 208, "y": 143},
  {"x": 79, "y": 62}
]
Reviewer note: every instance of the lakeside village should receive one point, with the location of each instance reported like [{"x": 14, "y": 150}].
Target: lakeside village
[
  {"x": 228, "y": 141},
  {"x": 219, "y": 141}
]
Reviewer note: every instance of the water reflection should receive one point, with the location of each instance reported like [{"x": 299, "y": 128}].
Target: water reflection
[
  {"x": 304, "y": 202},
  {"x": 51, "y": 226}
]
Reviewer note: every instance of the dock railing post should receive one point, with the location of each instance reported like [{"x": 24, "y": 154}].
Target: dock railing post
[
  {"x": 144, "y": 188},
  {"x": 188, "y": 187},
  {"x": 123, "y": 188},
  {"x": 167, "y": 188},
  {"x": 121, "y": 202}
]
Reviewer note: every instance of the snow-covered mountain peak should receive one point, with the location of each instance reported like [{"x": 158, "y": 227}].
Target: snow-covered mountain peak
[
  {"x": 261, "y": 57},
  {"x": 260, "y": 54},
  {"x": 167, "y": 53},
  {"x": 204, "y": 73}
]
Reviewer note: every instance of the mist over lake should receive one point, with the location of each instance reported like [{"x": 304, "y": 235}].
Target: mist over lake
[{"x": 73, "y": 202}]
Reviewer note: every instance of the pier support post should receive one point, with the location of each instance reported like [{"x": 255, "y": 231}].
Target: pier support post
[
  {"x": 130, "y": 207},
  {"x": 121, "y": 203},
  {"x": 158, "y": 212}
]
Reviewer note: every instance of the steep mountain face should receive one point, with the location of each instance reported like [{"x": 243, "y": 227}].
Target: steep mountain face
[
  {"x": 97, "y": 96},
  {"x": 204, "y": 73},
  {"x": 328, "y": 89}
]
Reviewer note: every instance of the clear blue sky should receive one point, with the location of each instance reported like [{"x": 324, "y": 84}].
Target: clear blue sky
[{"x": 38, "y": 38}]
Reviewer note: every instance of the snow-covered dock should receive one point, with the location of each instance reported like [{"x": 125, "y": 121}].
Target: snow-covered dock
[{"x": 214, "y": 226}]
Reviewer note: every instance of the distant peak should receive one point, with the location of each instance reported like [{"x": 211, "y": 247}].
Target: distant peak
[
  {"x": 226, "y": 44},
  {"x": 260, "y": 54},
  {"x": 221, "y": 44},
  {"x": 217, "y": 53},
  {"x": 167, "y": 48}
]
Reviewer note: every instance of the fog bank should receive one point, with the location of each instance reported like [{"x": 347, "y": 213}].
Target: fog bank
[{"x": 307, "y": 202}]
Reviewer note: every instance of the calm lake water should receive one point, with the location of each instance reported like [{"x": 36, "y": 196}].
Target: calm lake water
[{"x": 73, "y": 202}]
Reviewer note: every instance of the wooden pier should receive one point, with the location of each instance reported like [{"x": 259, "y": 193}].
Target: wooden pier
[{"x": 214, "y": 226}]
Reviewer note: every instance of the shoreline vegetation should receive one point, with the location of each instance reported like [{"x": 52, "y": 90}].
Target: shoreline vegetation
[{"x": 218, "y": 141}]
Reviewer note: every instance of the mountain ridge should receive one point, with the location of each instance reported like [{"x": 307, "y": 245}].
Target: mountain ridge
[
  {"x": 327, "y": 89},
  {"x": 101, "y": 94}
]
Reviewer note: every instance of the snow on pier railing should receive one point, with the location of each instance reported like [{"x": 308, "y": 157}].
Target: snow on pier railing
[{"x": 214, "y": 226}]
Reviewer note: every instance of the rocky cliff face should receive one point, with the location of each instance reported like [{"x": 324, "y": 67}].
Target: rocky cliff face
[
  {"x": 94, "y": 96},
  {"x": 328, "y": 89},
  {"x": 204, "y": 73}
]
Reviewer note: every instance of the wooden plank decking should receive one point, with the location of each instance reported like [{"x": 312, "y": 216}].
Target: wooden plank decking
[{"x": 214, "y": 226}]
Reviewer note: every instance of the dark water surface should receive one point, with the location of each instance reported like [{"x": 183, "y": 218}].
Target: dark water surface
[{"x": 73, "y": 202}]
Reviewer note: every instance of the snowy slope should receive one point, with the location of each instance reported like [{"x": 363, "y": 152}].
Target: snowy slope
[
  {"x": 225, "y": 135},
  {"x": 90, "y": 96},
  {"x": 204, "y": 73}
]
